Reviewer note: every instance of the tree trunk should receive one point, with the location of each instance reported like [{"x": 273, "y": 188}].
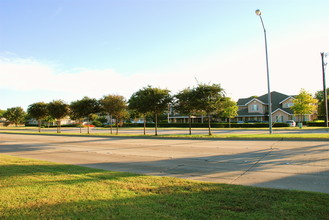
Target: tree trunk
[
  {"x": 156, "y": 124},
  {"x": 39, "y": 125},
  {"x": 229, "y": 122},
  {"x": 144, "y": 125},
  {"x": 88, "y": 130},
  {"x": 190, "y": 124},
  {"x": 209, "y": 125},
  {"x": 117, "y": 124},
  {"x": 111, "y": 124},
  {"x": 58, "y": 126}
]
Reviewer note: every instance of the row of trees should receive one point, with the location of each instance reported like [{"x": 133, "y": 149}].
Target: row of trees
[
  {"x": 206, "y": 99},
  {"x": 80, "y": 110}
]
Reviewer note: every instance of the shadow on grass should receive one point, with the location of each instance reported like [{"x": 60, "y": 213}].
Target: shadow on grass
[
  {"x": 219, "y": 163},
  {"x": 42, "y": 172},
  {"x": 98, "y": 194}
]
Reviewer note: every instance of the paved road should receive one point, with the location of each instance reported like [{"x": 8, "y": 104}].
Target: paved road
[
  {"x": 161, "y": 131},
  {"x": 274, "y": 164}
]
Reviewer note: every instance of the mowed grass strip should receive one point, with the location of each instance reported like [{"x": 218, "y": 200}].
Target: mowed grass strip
[
  {"x": 310, "y": 136},
  {"x": 256, "y": 136},
  {"x": 32, "y": 189}
]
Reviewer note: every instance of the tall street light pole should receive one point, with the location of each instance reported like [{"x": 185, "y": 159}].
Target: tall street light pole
[
  {"x": 325, "y": 95},
  {"x": 259, "y": 13}
]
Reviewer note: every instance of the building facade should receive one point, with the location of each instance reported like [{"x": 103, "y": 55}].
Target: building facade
[{"x": 255, "y": 109}]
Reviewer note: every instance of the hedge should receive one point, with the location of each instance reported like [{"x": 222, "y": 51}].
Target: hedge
[
  {"x": 315, "y": 124},
  {"x": 205, "y": 125}
]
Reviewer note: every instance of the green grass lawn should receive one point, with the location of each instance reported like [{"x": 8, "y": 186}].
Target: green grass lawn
[
  {"x": 32, "y": 189},
  {"x": 256, "y": 136}
]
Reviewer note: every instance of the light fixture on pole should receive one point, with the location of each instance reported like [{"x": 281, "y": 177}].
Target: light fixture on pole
[{"x": 259, "y": 13}]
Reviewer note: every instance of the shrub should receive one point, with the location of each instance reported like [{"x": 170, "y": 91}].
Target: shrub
[
  {"x": 97, "y": 123},
  {"x": 315, "y": 124},
  {"x": 205, "y": 125}
]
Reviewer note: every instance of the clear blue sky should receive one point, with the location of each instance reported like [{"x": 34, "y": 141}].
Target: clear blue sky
[{"x": 67, "y": 49}]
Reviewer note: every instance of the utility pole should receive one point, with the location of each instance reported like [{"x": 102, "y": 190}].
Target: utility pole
[{"x": 325, "y": 95}]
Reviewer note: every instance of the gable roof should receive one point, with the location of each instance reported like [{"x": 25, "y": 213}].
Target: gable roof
[
  {"x": 276, "y": 97},
  {"x": 243, "y": 101},
  {"x": 244, "y": 112},
  {"x": 287, "y": 99},
  {"x": 285, "y": 110},
  {"x": 257, "y": 100}
]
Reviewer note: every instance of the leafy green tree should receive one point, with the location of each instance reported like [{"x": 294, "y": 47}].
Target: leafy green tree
[
  {"x": 48, "y": 119},
  {"x": 150, "y": 100},
  {"x": 77, "y": 112},
  {"x": 85, "y": 108},
  {"x": 58, "y": 109},
  {"x": 38, "y": 111},
  {"x": 185, "y": 104},
  {"x": 229, "y": 109},
  {"x": 93, "y": 117},
  {"x": 115, "y": 106},
  {"x": 102, "y": 119},
  {"x": 209, "y": 99},
  {"x": 15, "y": 115},
  {"x": 1, "y": 112},
  {"x": 304, "y": 104},
  {"x": 321, "y": 106},
  {"x": 137, "y": 105},
  {"x": 319, "y": 95},
  {"x": 134, "y": 114}
]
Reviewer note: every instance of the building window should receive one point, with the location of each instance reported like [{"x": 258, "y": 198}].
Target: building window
[
  {"x": 279, "y": 118},
  {"x": 254, "y": 108},
  {"x": 290, "y": 104}
]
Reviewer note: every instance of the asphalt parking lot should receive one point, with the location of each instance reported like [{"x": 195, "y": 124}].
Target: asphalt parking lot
[{"x": 299, "y": 165}]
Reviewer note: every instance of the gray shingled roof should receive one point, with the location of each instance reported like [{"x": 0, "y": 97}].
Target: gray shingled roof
[
  {"x": 276, "y": 99},
  {"x": 243, "y": 101},
  {"x": 245, "y": 112}
]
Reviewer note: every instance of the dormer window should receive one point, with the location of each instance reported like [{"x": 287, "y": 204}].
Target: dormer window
[
  {"x": 290, "y": 104},
  {"x": 254, "y": 108}
]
